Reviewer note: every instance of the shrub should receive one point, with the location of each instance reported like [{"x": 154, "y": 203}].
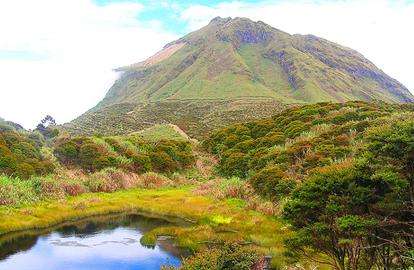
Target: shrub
[
  {"x": 73, "y": 187},
  {"x": 298, "y": 140},
  {"x": 234, "y": 163},
  {"x": 272, "y": 183},
  {"x": 223, "y": 256},
  {"x": 49, "y": 188},
  {"x": 141, "y": 162},
  {"x": 154, "y": 180},
  {"x": 129, "y": 153},
  {"x": 21, "y": 156}
]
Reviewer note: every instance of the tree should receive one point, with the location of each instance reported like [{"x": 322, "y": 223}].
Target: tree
[
  {"x": 359, "y": 213},
  {"x": 390, "y": 156},
  {"x": 47, "y": 127}
]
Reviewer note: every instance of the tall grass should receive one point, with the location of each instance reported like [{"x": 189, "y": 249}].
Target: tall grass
[
  {"x": 236, "y": 188},
  {"x": 17, "y": 192}
]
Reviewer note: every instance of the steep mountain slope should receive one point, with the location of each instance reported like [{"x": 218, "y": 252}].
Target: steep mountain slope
[{"x": 238, "y": 59}]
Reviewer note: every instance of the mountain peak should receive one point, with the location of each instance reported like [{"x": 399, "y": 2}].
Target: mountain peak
[
  {"x": 220, "y": 20},
  {"x": 236, "y": 65},
  {"x": 237, "y": 21}
]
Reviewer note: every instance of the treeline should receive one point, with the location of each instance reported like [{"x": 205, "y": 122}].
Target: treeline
[{"x": 345, "y": 172}]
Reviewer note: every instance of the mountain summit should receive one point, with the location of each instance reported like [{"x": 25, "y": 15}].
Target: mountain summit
[
  {"x": 251, "y": 62},
  {"x": 231, "y": 58}
]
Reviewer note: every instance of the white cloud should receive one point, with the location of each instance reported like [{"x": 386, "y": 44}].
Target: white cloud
[
  {"x": 78, "y": 44},
  {"x": 71, "y": 46},
  {"x": 381, "y": 30}
]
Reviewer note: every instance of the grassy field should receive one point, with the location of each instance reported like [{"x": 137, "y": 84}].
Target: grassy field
[
  {"x": 214, "y": 220},
  {"x": 163, "y": 132}
]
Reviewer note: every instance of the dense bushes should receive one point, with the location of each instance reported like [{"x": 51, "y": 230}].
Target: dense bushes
[
  {"x": 130, "y": 153},
  {"x": 95, "y": 165},
  {"x": 21, "y": 156},
  {"x": 295, "y": 142},
  {"x": 347, "y": 172},
  {"x": 359, "y": 212},
  {"x": 272, "y": 183},
  {"x": 225, "y": 256}
]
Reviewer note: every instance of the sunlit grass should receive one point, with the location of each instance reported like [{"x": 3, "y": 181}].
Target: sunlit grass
[{"x": 213, "y": 219}]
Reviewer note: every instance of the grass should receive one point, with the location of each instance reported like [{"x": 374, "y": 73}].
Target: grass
[
  {"x": 195, "y": 117},
  {"x": 213, "y": 219},
  {"x": 161, "y": 132}
]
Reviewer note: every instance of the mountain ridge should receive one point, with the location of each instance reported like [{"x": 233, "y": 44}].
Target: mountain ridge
[
  {"x": 231, "y": 59},
  {"x": 292, "y": 53}
]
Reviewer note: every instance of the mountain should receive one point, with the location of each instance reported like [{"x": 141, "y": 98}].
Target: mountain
[
  {"x": 9, "y": 125},
  {"x": 232, "y": 70}
]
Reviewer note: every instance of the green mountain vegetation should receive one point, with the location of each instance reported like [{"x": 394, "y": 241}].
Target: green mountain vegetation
[
  {"x": 233, "y": 70},
  {"x": 8, "y": 125},
  {"x": 21, "y": 155},
  {"x": 343, "y": 174},
  {"x": 162, "y": 132},
  {"x": 266, "y": 143},
  {"x": 326, "y": 185},
  {"x": 130, "y": 153}
]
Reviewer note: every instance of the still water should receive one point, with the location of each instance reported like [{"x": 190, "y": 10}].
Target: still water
[{"x": 99, "y": 243}]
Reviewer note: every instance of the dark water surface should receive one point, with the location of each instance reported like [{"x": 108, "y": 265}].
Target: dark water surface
[{"x": 100, "y": 243}]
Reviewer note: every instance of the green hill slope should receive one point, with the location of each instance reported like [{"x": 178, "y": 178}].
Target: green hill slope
[{"x": 238, "y": 59}]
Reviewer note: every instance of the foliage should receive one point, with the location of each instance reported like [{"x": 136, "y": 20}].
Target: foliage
[
  {"x": 129, "y": 152},
  {"x": 47, "y": 127},
  {"x": 346, "y": 171},
  {"x": 21, "y": 156},
  {"x": 223, "y": 256},
  {"x": 15, "y": 191},
  {"x": 288, "y": 146},
  {"x": 360, "y": 213},
  {"x": 271, "y": 182}
]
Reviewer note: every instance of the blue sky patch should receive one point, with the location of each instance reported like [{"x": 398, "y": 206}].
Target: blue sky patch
[{"x": 167, "y": 12}]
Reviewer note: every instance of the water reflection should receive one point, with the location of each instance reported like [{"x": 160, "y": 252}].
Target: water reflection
[{"x": 99, "y": 243}]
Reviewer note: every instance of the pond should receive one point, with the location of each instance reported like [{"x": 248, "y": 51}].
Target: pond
[{"x": 111, "y": 242}]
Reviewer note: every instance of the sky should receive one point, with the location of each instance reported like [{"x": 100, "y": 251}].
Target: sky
[{"x": 57, "y": 56}]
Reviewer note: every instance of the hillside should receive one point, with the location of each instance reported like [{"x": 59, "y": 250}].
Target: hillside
[
  {"x": 300, "y": 139},
  {"x": 343, "y": 174},
  {"x": 163, "y": 132},
  {"x": 231, "y": 60},
  {"x": 9, "y": 125},
  {"x": 315, "y": 178}
]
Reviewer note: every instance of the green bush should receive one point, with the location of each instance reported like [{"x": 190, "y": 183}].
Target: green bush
[
  {"x": 234, "y": 163},
  {"x": 130, "y": 153},
  {"x": 225, "y": 256},
  {"x": 298, "y": 141},
  {"x": 21, "y": 156},
  {"x": 272, "y": 183}
]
